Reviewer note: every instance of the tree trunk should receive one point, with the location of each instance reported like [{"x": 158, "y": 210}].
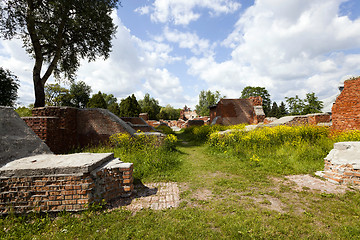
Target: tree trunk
[{"x": 39, "y": 93}]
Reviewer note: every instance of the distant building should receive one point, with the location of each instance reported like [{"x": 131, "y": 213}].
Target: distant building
[
  {"x": 237, "y": 111},
  {"x": 187, "y": 114}
]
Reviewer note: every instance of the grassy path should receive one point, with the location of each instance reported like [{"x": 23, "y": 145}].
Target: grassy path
[{"x": 222, "y": 198}]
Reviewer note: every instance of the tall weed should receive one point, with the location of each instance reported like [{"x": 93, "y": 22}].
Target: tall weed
[{"x": 150, "y": 156}]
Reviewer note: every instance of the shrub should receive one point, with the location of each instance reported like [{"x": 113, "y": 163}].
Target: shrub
[
  {"x": 145, "y": 152},
  {"x": 202, "y": 133}
]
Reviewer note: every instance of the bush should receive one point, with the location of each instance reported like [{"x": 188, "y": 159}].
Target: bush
[
  {"x": 165, "y": 129},
  {"x": 149, "y": 156},
  {"x": 202, "y": 133},
  {"x": 280, "y": 150}
]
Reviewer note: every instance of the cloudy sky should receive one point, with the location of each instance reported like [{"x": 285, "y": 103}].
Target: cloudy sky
[{"x": 173, "y": 49}]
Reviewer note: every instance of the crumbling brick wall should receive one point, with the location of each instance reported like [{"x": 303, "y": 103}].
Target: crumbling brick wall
[
  {"x": 346, "y": 109},
  {"x": 94, "y": 128},
  {"x": 65, "y": 128},
  {"x": 53, "y": 193}
]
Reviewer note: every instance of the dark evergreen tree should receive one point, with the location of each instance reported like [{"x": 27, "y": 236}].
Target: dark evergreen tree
[
  {"x": 282, "y": 110},
  {"x": 97, "y": 101},
  {"x": 129, "y": 107},
  {"x": 274, "y": 112}
]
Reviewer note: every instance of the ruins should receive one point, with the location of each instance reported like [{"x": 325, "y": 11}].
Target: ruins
[
  {"x": 345, "y": 111},
  {"x": 32, "y": 178},
  {"x": 342, "y": 164},
  {"x": 66, "y": 128},
  {"x": 237, "y": 111}
]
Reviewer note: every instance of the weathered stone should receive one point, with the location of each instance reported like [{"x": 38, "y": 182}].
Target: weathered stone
[
  {"x": 342, "y": 164},
  {"x": 17, "y": 140}
]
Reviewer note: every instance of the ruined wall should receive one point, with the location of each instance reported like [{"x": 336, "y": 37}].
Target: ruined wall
[
  {"x": 52, "y": 193},
  {"x": 65, "y": 128},
  {"x": 314, "y": 119},
  {"x": 95, "y": 126},
  {"x": 257, "y": 101},
  {"x": 346, "y": 110},
  {"x": 342, "y": 164},
  {"x": 57, "y": 127}
]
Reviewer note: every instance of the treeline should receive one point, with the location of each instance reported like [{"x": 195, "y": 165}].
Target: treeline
[
  {"x": 79, "y": 96},
  {"x": 293, "y": 106}
]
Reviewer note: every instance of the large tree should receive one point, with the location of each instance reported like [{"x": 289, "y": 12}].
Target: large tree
[
  {"x": 58, "y": 34},
  {"x": 151, "y": 106},
  {"x": 9, "y": 85},
  {"x": 206, "y": 99},
  {"x": 255, "y": 92}
]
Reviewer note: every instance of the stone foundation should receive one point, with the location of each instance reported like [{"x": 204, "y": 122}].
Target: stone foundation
[
  {"x": 342, "y": 164},
  {"x": 63, "y": 182}
]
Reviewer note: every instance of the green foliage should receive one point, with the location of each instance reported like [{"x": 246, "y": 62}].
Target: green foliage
[
  {"x": 9, "y": 85},
  {"x": 149, "y": 155},
  {"x": 206, "y": 99},
  {"x": 129, "y": 107},
  {"x": 202, "y": 133},
  {"x": 255, "y": 92},
  {"x": 165, "y": 129},
  {"x": 24, "y": 111},
  {"x": 151, "y": 106},
  {"x": 312, "y": 104},
  {"x": 277, "y": 111},
  {"x": 97, "y": 101},
  {"x": 170, "y": 142},
  {"x": 266, "y": 137},
  {"x": 282, "y": 110},
  {"x": 169, "y": 113},
  {"x": 58, "y": 34},
  {"x": 346, "y": 136},
  {"x": 114, "y": 108},
  {"x": 298, "y": 106},
  {"x": 54, "y": 94},
  {"x": 79, "y": 95}
]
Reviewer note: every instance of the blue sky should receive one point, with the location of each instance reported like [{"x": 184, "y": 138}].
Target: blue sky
[{"x": 173, "y": 49}]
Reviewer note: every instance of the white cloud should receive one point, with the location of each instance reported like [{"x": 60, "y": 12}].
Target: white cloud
[
  {"x": 290, "y": 47},
  {"x": 15, "y": 59},
  {"x": 182, "y": 12},
  {"x": 133, "y": 67},
  {"x": 190, "y": 41},
  {"x": 162, "y": 83}
]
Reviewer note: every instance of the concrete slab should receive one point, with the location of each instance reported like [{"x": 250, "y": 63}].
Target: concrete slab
[
  {"x": 49, "y": 164},
  {"x": 345, "y": 153},
  {"x": 17, "y": 140}
]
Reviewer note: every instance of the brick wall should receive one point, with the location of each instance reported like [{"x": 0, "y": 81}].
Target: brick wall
[
  {"x": 257, "y": 101},
  {"x": 341, "y": 173},
  {"x": 64, "y": 192},
  {"x": 65, "y": 128},
  {"x": 94, "y": 127},
  {"x": 346, "y": 110},
  {"x": 316, "y": 118}
]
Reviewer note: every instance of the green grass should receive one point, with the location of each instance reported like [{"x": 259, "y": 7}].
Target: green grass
[{"x": 226, "y": 193}]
